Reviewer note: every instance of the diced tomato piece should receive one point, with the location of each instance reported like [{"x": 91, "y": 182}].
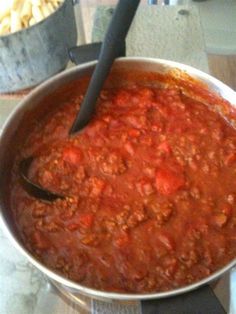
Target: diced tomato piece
[
  {"x": 73, "y": 226},
  {"x": 72, "y": 155},
  {"x": 97, "y": 186},
  {"x": 41, "y": 241},
  {"x": 86, "y": 220},
  {"x": 134, "y": 133},
  {"x": 230, "y": 159},
  {"x": 164, "y": 147},
  {"x": 122, "y": 240},
  {"x": 168, "y": 181}
]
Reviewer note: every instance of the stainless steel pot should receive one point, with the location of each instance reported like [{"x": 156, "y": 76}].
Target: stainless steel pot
[
  {"x": 34, "y": 54},
  {"x": 35, "y": 106}
]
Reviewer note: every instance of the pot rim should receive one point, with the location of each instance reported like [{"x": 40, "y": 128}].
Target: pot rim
[{"x": 224, "y": 91}]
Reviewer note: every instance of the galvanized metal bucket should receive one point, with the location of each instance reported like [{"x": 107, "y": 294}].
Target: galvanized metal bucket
[{"x": 34, "y": 54}]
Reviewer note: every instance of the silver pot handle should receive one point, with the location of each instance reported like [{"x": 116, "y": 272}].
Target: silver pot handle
[
  {"x": 90, "y": 52},
  {"x": 232, "y": 280},
  {"x": 201, "y": 300}
]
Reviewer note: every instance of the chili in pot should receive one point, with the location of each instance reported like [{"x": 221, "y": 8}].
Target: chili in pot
[{"x": 150, "y": 199}]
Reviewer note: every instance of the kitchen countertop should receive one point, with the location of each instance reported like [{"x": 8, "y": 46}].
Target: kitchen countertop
[
  {"x": 218, "y": 18},
  {"x": 24, "y": 290}
]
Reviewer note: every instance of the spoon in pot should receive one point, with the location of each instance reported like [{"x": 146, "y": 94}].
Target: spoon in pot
[{"x": 114, "y": 38}]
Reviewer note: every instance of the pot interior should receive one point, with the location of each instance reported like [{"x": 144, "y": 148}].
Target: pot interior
[{"x": 46, "y": 97}]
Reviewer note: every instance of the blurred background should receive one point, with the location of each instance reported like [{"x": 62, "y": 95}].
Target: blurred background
[{"x": 218, "y": 22}]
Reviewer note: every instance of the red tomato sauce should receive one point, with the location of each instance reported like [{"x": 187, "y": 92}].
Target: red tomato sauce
[{"x": 149, "y": 186}]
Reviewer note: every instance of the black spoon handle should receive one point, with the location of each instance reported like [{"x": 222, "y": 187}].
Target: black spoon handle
[{"x": 114, "y": 38}]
